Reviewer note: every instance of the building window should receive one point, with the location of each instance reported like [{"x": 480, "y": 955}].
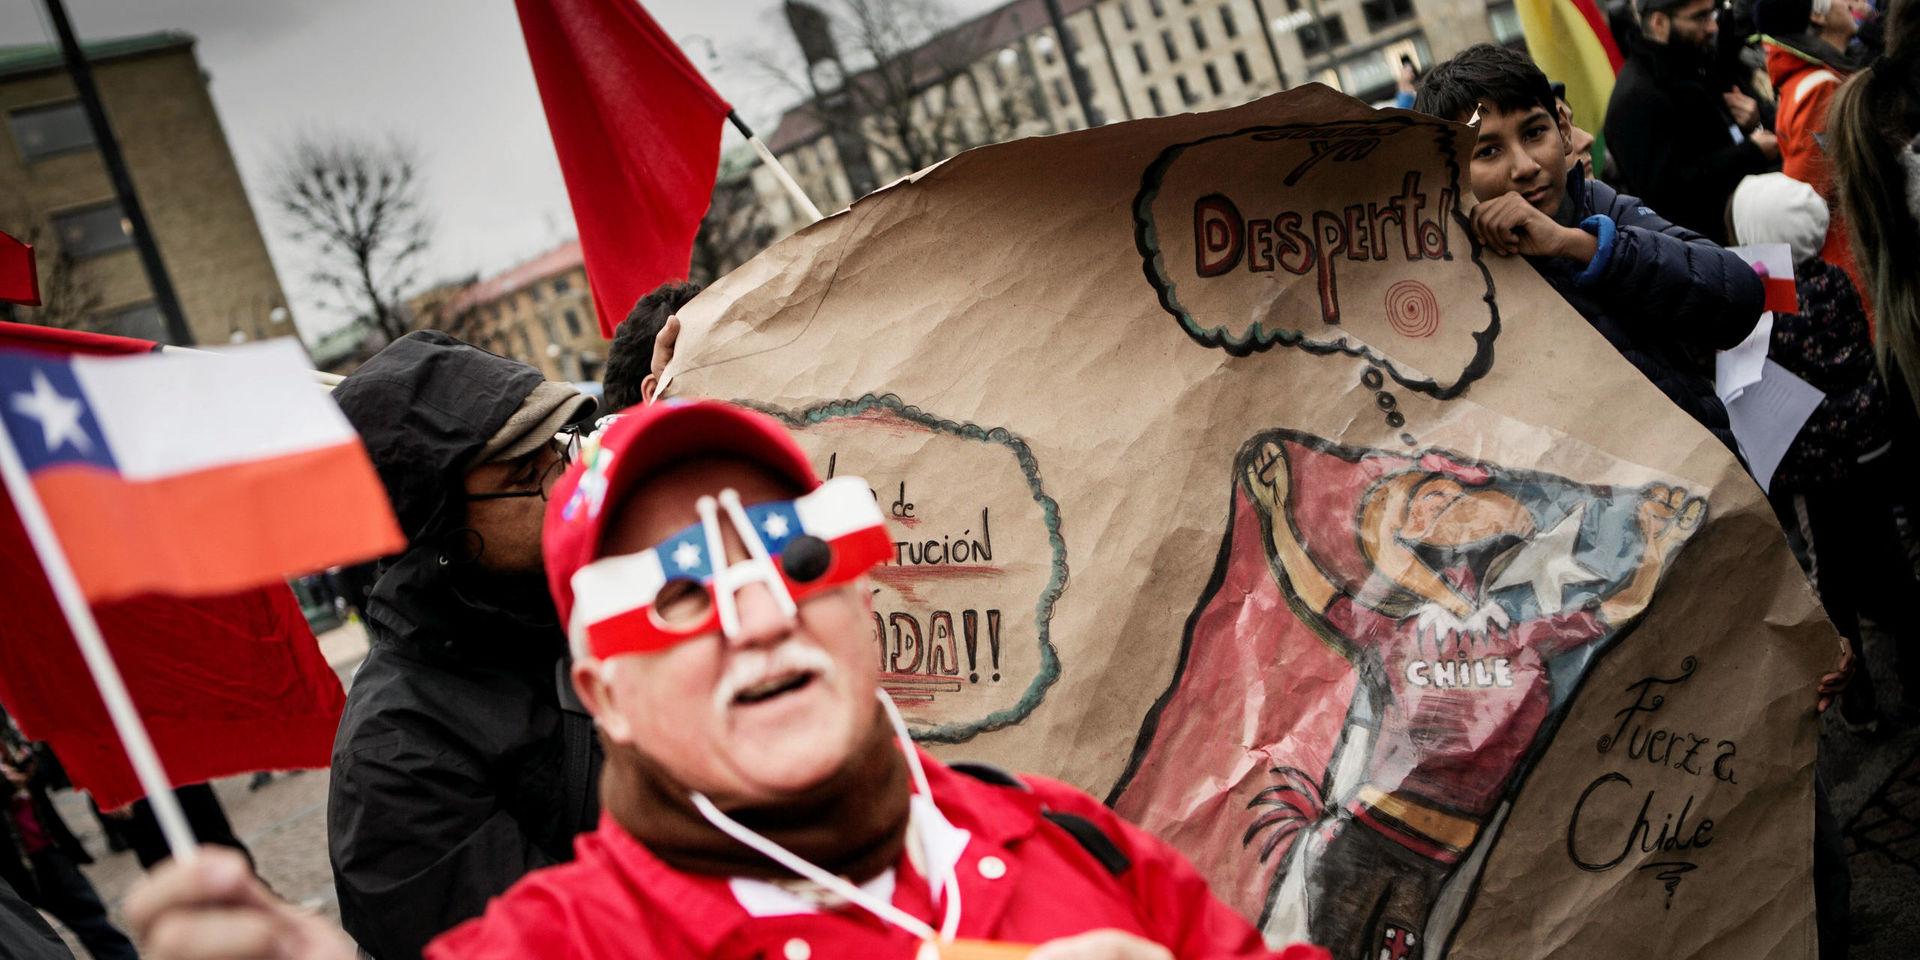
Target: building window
[
  {"x": 1246, "y": 67},
  {"x": 1187, "y": 95},
  {"x": 142, "y": 320},
  {"x": 1199, "y": 33},
  {"x": 1227, "y": 23},
  {"x": 1140, "y": 57},
  {"x": 1060, "y": 91},
  {"x": 561, "y": 285},
  {"x": 573, "y": 322},
  {"x": 1323, "y": 36},
  {"x": 1505, "y": 21},
  {"x": 1213, "y": 80},
  {"x": 1173, "y": 52},
  {"x": 1126, "y": 15},
  {"x": 91, "y": 231},
  {"x": 1046, "y": 45},
  {"x": 1158, "y": 9},
  {"x": 1383, "y": 13},
  {"x": 1159, "y": 106},
  {"x": 45, "y": 131}
]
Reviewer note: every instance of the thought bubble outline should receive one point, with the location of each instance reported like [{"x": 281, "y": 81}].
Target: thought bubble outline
[
  {"x": 1258, "y": 337},
  {"x": 1049, "y": 671}
]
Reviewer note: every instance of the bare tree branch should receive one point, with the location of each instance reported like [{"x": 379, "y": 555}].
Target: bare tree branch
[
  {"x": 357, "y": 204},
  {"x": 915, "y": 82}
]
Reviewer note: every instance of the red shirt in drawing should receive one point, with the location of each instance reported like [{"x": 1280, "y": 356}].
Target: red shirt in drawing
[{"x": 1461, "y": 711}]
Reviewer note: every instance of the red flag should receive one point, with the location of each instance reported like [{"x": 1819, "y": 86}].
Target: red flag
[
  {"x": 637, "y": 130},
  {"x": 19, "y": 281},
  {"x": 225, "y": 684}
]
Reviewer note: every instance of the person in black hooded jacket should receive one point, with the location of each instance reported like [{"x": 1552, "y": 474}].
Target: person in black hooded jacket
[
  {"x": 1683, "y": 138},
  {"x": 463, "y": 760}
]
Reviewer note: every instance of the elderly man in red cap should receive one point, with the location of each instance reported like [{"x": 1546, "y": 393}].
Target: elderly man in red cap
[{"x": 761, "y": 797}]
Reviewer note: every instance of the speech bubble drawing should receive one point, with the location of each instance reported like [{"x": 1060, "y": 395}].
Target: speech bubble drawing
[
  {"x": 1341, "y": 237},
  {"x": 961, "y": 615}
]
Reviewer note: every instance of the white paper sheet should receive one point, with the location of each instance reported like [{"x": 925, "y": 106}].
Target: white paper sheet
[{"x": 1768, "y": 414}]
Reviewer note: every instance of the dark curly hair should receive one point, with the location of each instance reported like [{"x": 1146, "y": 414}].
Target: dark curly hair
[
  {"x": 630, "y": 358},
  {"x": 1485, "y": 73}
]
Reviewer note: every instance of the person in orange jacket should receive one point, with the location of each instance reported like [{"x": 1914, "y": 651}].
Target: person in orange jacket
[
  {"x": 761, "y": 797},
  {"x": 1806, "y": 44}
]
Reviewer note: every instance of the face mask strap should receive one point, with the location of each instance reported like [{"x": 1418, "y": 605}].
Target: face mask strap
[{"x": 758, "y": 566}]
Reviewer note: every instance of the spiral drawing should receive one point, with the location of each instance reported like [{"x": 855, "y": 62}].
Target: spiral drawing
[{"x": 1413, "y": 309}]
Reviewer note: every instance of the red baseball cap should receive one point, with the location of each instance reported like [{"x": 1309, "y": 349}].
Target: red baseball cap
[{"x": 638, "y": 444}]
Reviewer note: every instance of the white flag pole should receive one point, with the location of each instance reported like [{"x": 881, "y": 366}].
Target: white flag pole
[
  {"x": 779, "y": 171},
  {"x": 86, "y": 631}
]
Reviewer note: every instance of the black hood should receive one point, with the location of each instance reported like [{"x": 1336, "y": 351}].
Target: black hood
[{"x": 425, "y": 406}]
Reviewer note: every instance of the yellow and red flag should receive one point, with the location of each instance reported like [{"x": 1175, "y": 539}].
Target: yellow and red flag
[{"x": 1571, "y": 42}]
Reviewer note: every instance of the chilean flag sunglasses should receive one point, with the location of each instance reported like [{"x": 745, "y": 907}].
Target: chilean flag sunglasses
[{"x": 675, "y": 590}]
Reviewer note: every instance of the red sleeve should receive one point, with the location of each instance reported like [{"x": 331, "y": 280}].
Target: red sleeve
[
  {"x": 1807, "y": 160},
  {"x": 1178, "y": 909}
]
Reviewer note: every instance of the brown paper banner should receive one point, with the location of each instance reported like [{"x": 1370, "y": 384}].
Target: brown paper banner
[{"x": 1231, "y": 481}]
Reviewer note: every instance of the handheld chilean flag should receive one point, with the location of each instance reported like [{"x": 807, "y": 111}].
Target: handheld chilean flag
[
  {"x": 226, "y": 683},
  {"x": 637, "y": 131},
  {"x": 190, "y": 474}
]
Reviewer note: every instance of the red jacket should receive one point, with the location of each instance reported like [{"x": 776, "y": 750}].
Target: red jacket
[
  {"x": 1806, "y": 87},
  {"x": 1023, "y": 878}
]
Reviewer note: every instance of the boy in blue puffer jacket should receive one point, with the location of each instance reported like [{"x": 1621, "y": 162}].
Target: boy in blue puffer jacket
[{"x": 1664, "y": 296}]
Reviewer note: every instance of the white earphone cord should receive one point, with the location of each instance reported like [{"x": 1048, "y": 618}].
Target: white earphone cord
[{"x": 949, "y": 925}]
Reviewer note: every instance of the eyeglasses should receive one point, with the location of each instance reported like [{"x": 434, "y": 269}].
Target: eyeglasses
[
  {"x": 1704, "y": 17},
  {"x": 565, "y": 446}
]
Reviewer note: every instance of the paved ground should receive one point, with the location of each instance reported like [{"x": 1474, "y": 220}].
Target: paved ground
[
  {"x": 284, "y": 823},
  {"x": 1874, "y": 787}
]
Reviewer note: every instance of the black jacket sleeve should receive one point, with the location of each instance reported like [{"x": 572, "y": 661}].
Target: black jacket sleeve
[
  {"x": 1642, "y": 144},
  {"x": 418, "y": 837},
  {"x": 1674, "y": 282}
]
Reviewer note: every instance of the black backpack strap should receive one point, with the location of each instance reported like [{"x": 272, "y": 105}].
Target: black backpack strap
[
  {"x": 1093, "y": 838},
  {"x": 1082, "y": 830},
  {"x": 988, "y": 773}
]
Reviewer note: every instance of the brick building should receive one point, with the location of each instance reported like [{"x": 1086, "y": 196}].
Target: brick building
[
  {"x": 55, "y": 193},
  {"x": 539, "y": 312}
]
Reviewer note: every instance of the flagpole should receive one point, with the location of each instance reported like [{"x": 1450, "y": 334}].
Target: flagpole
[
  {"x": 779, "y": 170},
  {"x": 93, "y": 647}
]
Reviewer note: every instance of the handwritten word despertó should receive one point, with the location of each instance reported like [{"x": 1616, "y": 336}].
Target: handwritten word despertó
[{"x": 1300, "y": 241}]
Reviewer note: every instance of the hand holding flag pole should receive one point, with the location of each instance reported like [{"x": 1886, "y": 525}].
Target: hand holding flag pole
[
  {"x": 86, "y": 632},
  {"x": 127, "y": 488}
]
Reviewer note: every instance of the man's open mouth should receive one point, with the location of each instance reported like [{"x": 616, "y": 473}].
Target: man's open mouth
[{"x": 774, "y": 686}]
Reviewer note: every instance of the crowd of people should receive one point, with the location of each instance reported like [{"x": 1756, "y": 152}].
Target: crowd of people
[{"x": 551, "y": 749}]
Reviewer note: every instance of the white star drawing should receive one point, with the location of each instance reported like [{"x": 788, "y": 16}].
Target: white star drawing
[
  {"x": 686, "y": 556},
  {"x": 1546, "y": 563},
  {"x": 776, "y": 526},
  {"x": 59, "y": 415}
]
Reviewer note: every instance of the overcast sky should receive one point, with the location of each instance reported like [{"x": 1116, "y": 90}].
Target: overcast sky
[{"x": 450, "y": 75}]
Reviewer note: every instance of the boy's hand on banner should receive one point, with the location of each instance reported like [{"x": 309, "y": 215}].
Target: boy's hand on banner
[
  {"x": 213, "y": 908},
  {"x": 1835, "y": 683},
  {"x": 1509, "y": 225}
]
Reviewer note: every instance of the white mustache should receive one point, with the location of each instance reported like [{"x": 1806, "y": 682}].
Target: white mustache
[{"x": 749, "y": 667}]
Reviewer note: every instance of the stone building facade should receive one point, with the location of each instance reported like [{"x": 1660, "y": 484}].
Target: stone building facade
[
  {"x": 55, "y": 193},
  {"x": 1141, "y": 58},
  {"x": 539, "y": 312}
]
